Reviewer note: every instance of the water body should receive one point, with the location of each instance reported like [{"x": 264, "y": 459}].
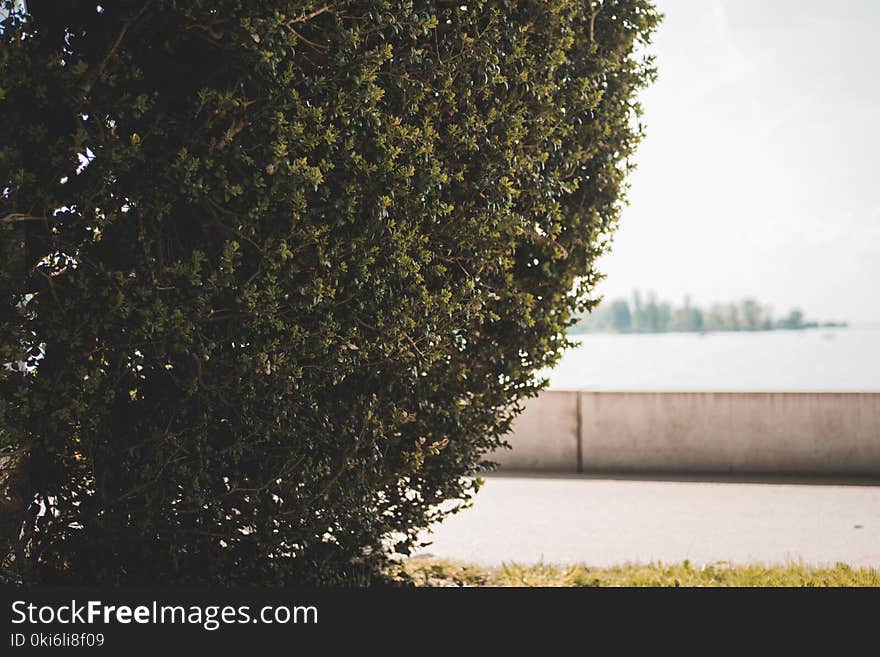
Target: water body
[{"x": 808, "y": 360}]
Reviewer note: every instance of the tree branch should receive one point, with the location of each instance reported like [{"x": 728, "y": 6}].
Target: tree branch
[
  {"x": 92, "y": 78},
  {"x": 309, "y": 16},
  {"x": 16, "y": 217},
  {"x": 595, "y": 8}
]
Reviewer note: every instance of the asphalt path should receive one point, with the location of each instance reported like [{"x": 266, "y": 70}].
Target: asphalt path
[{"x": 604, "y": 522}]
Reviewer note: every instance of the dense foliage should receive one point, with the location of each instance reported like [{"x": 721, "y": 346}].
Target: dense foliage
[{"x": 275, "y": 274}]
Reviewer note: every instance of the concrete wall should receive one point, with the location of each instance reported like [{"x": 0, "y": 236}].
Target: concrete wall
[{"x": 799, "y": 433}]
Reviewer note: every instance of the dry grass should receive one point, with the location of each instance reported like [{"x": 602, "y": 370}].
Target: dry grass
[{"x": 438, "y": 572}]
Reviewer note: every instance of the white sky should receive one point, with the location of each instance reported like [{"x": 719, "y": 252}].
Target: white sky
[{"x": 758, "y": 176}]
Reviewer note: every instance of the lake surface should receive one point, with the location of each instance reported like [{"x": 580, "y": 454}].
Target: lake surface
[{"x": 812, "y": 359}]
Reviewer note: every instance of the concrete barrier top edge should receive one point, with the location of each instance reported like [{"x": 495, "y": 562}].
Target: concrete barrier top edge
[{"x": 714, "y": 392}]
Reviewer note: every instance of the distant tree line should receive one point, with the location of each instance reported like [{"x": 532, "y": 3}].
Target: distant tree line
[{"x": 648, "y": 315}]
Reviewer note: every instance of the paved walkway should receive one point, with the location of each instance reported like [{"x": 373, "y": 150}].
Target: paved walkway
[{"x": 605, "y": 522}]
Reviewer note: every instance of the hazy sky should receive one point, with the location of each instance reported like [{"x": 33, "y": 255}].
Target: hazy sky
[{"x": 758, "y": 176}]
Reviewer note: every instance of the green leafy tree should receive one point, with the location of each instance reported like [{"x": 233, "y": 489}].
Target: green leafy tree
[
  {"x": 732, "y": 318},
  {"x": 686, "y": 318},
  {"x": 278, "y": 273},
  {"x": 621, "y": 320},
  {"x": 794, "y": 320},
  {"x": 753, "y": 315},
  {"x": 638, "y": 313},
  {"x": 652, "y": 314}
]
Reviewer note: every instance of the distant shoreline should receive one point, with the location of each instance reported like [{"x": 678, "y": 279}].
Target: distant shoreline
[
  {"x": 648, "y": 314},
  {"x": 809, "y": 327}
]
